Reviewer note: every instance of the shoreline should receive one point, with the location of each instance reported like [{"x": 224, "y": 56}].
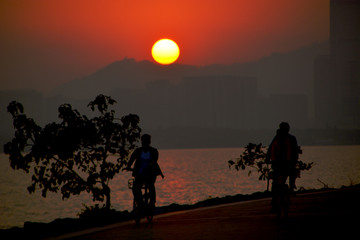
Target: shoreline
[
  {"x": 62, "y": 226},
  {"x": 238, "y": 138}
]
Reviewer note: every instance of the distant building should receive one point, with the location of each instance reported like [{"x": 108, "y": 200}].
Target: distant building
[
  {"x": 324, "y": 92},
  {"x": 337, "y": 76},
  {"x": 199, "y": 101},
  {"x": 292, "y": 108},
  {"x": 219, "y": 101},
  {"x": 160, "y": 106}
]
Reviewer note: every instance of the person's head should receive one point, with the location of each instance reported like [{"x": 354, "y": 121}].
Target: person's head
[
  {"x": 145, "y": 140},
  {"x": 284, "y": 127}
]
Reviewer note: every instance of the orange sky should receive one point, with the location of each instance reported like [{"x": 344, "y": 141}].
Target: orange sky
[{"x": 72, "y": 38}]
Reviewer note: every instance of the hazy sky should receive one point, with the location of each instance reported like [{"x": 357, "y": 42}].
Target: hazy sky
[{"x": 44, "y": 43}]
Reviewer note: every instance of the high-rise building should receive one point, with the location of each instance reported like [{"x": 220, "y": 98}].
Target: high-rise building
[{"x": 337, "y": 76}]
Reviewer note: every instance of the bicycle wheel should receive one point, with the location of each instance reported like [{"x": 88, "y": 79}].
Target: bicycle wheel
[
  {"x": 136, "y": 212},
  {"x": 149, "y": 210},
  {"x": 285, "y": 201},
  {"x": 282, "y": 201}
]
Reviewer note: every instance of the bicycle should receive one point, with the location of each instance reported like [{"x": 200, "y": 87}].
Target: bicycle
[
  {"x": 281, "y": 198},
  {"x": 141, "y": 208}
]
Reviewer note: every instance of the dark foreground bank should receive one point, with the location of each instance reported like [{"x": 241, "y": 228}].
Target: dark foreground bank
[
  {"x": 62, "y": 226},
  {"x": 320, "y": 215},
  {"x": 37, "y": 230}
]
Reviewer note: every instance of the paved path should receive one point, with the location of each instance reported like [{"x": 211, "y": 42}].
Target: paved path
[{"x": 326, "y": 215}]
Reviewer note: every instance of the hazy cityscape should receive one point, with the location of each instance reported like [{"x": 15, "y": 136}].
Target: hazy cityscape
[
  {"x": 316, "y": 89},
  {"x": 210, "y": 106}
]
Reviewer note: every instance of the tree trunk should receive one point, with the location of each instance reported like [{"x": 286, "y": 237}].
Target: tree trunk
[{"x": 107, "y": 195}]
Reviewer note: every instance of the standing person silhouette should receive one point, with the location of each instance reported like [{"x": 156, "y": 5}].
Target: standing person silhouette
[
  {"x": 283, "y": 153},
  {"x": 146, "y": 169}
]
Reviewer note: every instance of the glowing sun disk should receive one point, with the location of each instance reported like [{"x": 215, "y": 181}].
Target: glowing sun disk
[{"x": 165, "y": 51}]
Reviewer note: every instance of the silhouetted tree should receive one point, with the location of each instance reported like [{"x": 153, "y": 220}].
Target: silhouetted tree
[
  {"x": 254, "y": 157},
  {"x": 75, "y": 155}
]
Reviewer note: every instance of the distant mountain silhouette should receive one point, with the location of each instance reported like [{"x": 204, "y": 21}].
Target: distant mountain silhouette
[
  {"x": 279, "y": 73},
  {"x": 125, "y": 74}
]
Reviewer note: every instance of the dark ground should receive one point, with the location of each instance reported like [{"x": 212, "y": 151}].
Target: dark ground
[{"x": 332, "y": 214}]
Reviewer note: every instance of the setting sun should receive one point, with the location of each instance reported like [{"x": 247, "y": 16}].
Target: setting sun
[{"x": 165, "y": 51}]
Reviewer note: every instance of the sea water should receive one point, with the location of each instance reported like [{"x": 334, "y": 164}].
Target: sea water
[{"x": 191, "y": 175}]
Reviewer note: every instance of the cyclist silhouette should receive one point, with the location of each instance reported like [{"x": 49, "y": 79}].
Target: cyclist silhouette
[
  {"x": 146, "y": 169},
  {"x": 283, "y": 153}
]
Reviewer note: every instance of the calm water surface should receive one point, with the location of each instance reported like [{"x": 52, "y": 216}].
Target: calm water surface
[{"x": 190, "y": 176}]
